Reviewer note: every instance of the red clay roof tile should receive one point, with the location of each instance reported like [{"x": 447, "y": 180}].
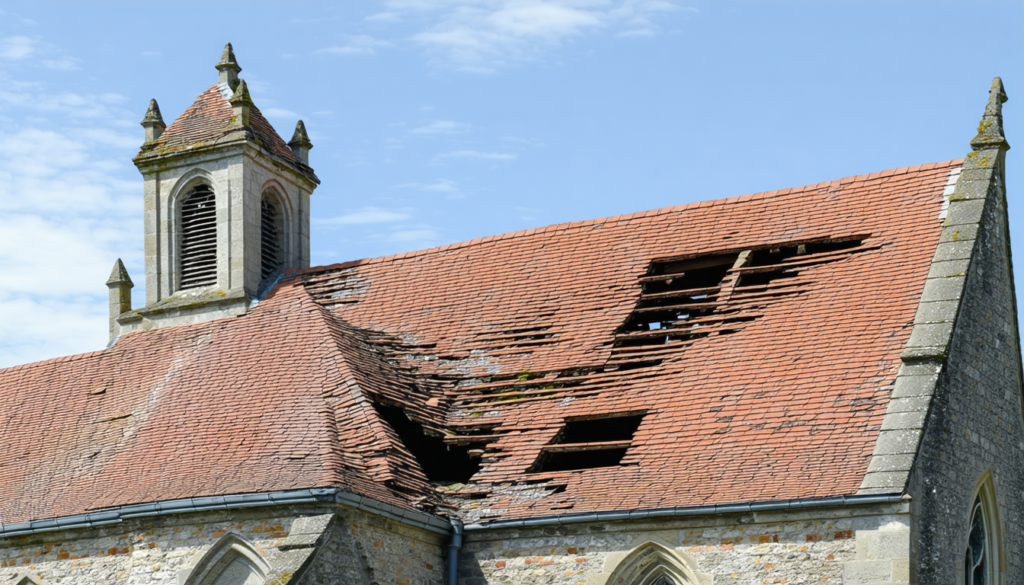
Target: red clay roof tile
[{"x": 509, "y": 335}]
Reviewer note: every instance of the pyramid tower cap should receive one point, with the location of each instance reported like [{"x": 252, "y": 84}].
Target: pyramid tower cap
[
  {"x": 300, "y": 138},
  {"x": 119, "y": 275}
]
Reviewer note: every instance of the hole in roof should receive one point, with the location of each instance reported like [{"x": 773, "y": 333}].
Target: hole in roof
[
  {"x": 779, "y": 257},
  {"x": 589, "y": 443},
  {"x": 439, "y": 462},
  {"x": 674, "y": 292}
]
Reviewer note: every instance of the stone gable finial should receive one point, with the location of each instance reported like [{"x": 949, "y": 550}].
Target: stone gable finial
[
  {"x": 990, "y": 131},
  {"x": 241, "y": 103},
  {"x": 300, "y": 143},
  {"x": 228, "y": 68},
  {"x": 153, "y": 122}
]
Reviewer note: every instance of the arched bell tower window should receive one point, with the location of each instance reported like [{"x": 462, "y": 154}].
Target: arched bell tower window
[
  {"x": 198, "y": 256},
  {"x": 978, "y": 558},
  {"x": 271, "y": 232}
]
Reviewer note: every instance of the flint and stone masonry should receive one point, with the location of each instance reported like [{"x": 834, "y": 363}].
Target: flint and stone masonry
[{"x": 292, "y": 544}]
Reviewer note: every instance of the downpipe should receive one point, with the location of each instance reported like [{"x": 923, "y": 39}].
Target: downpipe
[{"x": 453, "y": 552}]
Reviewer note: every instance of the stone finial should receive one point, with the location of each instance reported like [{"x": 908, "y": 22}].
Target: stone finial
[
  {"x": 120, "y": 295},
  {"x": 300, "y": 143},
  {"x": 153, "y": 122},
  {"x": 990, "y": 131},
  {"x": 228, "y": 68},
  {"x": 241, "y": 103}
]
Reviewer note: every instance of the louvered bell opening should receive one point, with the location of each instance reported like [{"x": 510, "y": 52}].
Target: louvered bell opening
[
  {"x": 199, "y": 239},
  {"x": 270, "y": 248}
]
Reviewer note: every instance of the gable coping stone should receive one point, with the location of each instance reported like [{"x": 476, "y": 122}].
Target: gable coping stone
[{"x": 938, "y": 309}]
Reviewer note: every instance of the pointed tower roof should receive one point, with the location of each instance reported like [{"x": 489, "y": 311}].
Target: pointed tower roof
[{"x": 208, "y": 120}]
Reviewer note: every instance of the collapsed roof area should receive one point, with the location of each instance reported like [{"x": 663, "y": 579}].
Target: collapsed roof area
[{"x": 726, "y": 351}]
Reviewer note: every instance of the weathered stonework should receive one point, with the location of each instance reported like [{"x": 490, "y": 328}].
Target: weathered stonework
[
  {"x": 301, "y": 545},
  {"x": 854, "y": 545},
  {"x": 975, "y": 431},
  {"x": 239, "y": 175}
]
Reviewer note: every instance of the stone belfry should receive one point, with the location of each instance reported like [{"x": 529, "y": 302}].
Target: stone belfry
[{"x": 226, "y": 208}]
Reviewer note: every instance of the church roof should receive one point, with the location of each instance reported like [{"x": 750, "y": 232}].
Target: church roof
[
  {"x": 208, "y": 120},
  {"x": 725, "y": 351}
]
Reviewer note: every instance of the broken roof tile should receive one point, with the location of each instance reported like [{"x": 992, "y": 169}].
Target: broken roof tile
[{"x": 493, "y": 344}]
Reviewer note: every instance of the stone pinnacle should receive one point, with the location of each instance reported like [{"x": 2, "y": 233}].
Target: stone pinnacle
[
  {"x": 300, "y": 138},
  {"x": 990, "y": 131},
  {"x": 119, "y": 275}
]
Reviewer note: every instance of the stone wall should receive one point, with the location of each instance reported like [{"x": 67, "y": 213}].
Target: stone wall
[
  {"x": 302, "y": 545},
  {"x": 975, "y": 422},
  {"x": 862, "y": 544}
]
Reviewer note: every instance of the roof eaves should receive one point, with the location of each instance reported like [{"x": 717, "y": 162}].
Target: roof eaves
[
  {"x": 733, "y": 508},
  {"x": 230, "y": 502}
]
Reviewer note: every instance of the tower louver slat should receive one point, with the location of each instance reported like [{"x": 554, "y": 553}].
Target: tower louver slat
[
  {"x": 199, "y": 239},
  {"x": 270, "y": 256}
]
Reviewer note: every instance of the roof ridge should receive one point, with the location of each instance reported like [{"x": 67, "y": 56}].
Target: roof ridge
[{"x": 625, "y": 217}]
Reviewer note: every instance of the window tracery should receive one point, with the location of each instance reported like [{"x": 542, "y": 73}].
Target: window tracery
[
  {"x": 230, "y": 561},
  {"x": 976, "y": 559}
]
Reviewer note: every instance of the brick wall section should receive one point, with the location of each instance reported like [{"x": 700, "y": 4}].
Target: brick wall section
[
  {"x": 303, "y": 545},
  {"x": 975, "y": 421},
  {"x": 792, "y": 547}
]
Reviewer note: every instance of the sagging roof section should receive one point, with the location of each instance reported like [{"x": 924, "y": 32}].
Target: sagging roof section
[{"x": 753, "y": 340}]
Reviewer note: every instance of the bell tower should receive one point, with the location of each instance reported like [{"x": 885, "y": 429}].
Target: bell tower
[{"x": 226, "y": 205}]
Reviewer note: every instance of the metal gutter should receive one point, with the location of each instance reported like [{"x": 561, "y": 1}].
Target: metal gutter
[
  {"x": 121, "y": 513},
  {"x": 410, "y": 517},
  {"x": 838, "y": 501}
]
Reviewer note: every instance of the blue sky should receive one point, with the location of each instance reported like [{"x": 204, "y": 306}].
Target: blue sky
[{"x": 436, "y": 121}]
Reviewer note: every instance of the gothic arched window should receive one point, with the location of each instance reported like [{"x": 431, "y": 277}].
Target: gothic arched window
[
  {"x": 271, "y": 256},
  {"x": 230, "y": 561},
  {"x": 198, "y": 258},
  {"x": 977, "y": 559},
  {"x": 664, "y": 580}
]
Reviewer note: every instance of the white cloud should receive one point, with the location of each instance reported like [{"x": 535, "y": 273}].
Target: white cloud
[
  {"x": 280, "y": 113},
  {"x": 477, "y": 155},
  {"x": 484, "y": 35},
  {"x": 365, "y": 216},
  {"x": 383, "y": 17},
  {"x": 442, "y": 127},
  {"x": 640, "y": 32},
  {"x": 356, "y": 45},
  {"x": 150, "y": 53},
  {"x": 17, "y": 48},
  {"x": 66, "y": 103},
  {"x": 439, "y": 186},
  {"x": 69, "y": 207},
  {"x": 66, "y": 64},
  {"x": 414, "y": 235}
]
